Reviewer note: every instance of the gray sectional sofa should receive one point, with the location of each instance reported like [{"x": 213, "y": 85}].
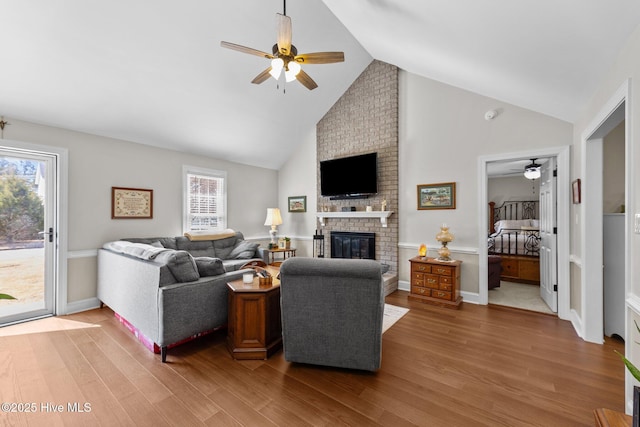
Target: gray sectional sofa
[{"x": 170, "y": 289}]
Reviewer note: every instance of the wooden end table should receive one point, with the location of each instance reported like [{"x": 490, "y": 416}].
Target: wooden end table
[
  {"x": 286, "y": 253},
  {"x": 255, "y": 326}
]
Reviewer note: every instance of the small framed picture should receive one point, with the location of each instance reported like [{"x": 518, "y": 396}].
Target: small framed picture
[
  {"x": 298, "y": 204},
  {"x": 437, "y": 196},
  {"x": 131, "y": 203},
  {"x": 576, "y": 191}
]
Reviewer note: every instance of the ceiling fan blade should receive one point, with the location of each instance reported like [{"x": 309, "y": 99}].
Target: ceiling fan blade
[
  {"x": 284, "y": 34},
  {"x": 320, "y": 57},
  {"x": 306, "y": 81},
  {"x": 262, "y": 77},
  {"x": 245, "y": 49}
]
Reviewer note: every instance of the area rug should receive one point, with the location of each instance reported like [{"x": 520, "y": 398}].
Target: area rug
[{"x": 392, "y": 314}]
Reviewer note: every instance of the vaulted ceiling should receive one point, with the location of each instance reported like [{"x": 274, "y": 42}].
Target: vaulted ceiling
[{"x": 153, "y": 71}]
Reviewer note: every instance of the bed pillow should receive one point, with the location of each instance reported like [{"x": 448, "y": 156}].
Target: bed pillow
[{"x": 510, "y": 224}]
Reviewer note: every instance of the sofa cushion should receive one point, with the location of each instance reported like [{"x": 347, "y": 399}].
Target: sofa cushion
[
  {"x": 181, "y": 264},
  {"x": 166, "y": 242},
  {"x": 243, "y": 250},
  {"x": 202, "y": 248},
  {"x": 209, "y": 266}
]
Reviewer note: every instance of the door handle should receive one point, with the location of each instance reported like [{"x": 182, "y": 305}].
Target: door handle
[{"x": 49, "y": 233}]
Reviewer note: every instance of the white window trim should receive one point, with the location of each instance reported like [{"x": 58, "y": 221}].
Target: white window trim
[{"x": 214, "y": 173}]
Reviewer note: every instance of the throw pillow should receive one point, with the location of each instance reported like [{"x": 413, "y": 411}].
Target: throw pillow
[
  {"x": 209, "y": 266},
  {"x": 244, "y": 250},
  {"x": 180, "y": 264}
]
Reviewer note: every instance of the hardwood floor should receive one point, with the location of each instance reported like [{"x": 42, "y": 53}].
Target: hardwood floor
[{"x": 477, "y": 366}]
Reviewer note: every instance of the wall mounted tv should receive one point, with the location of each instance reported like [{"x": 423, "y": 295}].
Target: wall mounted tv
[{"x": 349, "y": 177}]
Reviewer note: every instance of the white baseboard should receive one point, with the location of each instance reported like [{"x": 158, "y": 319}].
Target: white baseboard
[
  {"x": 576, "y": 322},
  {"x": 82, "y": 305}
]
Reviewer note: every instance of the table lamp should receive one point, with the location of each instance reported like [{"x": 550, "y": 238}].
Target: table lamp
[
  {"x": 444, "y": 237},
  {"x": 274, "y": 219}
]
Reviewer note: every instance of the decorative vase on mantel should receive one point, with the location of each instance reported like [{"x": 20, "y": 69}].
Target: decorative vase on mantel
[{"x": 444, "y": 237}]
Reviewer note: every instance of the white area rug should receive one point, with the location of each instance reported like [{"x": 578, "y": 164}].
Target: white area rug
[{"x": 392, "y": 314}]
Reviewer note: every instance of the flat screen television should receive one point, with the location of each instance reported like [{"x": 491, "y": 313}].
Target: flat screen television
[{"x": 349, "y": 177}]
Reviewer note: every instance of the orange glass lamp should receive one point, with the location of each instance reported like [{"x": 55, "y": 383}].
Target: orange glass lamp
[
  {"x": 444, "y": 237},
  {"x": 422, "y": 251}
]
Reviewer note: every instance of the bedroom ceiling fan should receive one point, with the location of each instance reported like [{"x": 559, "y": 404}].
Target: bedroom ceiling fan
[
  {"x": 285, "y": 56},
  {"x": 532, "y": 170}
]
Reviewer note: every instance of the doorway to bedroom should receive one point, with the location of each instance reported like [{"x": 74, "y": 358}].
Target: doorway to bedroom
[
  {"x": 561, "y": 155},
  {"x": 521, "y": 244}
]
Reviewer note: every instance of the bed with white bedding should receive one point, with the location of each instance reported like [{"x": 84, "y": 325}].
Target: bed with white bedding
[{"x": 515, "y": 237}]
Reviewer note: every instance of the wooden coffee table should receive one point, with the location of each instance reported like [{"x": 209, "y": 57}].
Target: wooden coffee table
[{"x": 255, "y": 327}]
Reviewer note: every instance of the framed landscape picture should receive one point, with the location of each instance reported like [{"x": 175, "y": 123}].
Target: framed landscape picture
[
  {"x": 298, "y": 204},
  {"x": 437, "y": 196}
]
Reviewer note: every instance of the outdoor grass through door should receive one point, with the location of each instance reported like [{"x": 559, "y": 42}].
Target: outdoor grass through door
[{"x": 27, "y": 235}]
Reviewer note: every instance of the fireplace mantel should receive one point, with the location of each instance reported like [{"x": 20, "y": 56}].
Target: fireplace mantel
[{"x": 383, "y": 215}]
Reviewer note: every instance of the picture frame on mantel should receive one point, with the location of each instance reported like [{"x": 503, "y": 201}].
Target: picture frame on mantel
[
  {"x": 437, "y": 196},
  {"x": 131, "y": 203}
]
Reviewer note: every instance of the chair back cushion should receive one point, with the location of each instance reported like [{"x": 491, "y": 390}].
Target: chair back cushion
[{"x": 332, "y": 312}]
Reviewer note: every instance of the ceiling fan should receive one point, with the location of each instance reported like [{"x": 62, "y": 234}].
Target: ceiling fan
[{"x": 285, "y": 56}]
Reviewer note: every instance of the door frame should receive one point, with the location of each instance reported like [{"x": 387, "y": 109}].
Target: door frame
[
  {"x": 61, "y": 157},
  {"x": 562, "y": 155},
  {"x": 612, "y": 113}
]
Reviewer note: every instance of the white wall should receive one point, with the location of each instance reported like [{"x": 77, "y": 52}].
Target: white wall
[
  {"x": 97, "y": 163},
  {"x": 613, "y": 158},
  {"x": 627, "y": 66},
  {"x": 442, "y": 134},
  {"x": 502, "y": 189},
  {"x": 298, "y": 178}
]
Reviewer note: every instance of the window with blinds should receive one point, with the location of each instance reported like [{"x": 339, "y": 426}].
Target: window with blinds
[{"x": 205, "y": 200}]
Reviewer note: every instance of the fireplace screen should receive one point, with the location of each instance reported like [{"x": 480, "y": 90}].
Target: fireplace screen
[{"x": 353, "y": 245}]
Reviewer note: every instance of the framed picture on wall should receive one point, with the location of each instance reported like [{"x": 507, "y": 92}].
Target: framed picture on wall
[
  {"x": 298, "y": 204},
  {"x": 131, "y": 203},
  {"x": 437, "y": 196},
  {"x": 575, "y": 191}
]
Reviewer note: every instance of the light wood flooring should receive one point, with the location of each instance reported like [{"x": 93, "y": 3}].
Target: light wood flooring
[{"x": 477, "y": 366}]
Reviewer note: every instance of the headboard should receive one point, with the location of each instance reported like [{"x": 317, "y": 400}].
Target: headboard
[{"x": 522, "y": 209}]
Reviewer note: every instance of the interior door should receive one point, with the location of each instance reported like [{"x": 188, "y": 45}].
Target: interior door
[
  {"x": 28, "y": 250},
  {"x": 548, "y": 237}
]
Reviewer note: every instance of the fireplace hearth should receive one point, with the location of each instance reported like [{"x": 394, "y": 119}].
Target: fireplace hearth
[{"x": 353, "y": 245}]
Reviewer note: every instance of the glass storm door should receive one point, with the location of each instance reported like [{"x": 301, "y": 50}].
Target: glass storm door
[{"x": 27, "y": 235}]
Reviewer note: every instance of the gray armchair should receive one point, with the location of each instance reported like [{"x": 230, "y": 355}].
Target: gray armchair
[{"x": 332, "y": 312}]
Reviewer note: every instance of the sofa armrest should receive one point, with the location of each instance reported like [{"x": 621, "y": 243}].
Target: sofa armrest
[
  {"x": 263, "y": 254},
  {"x": 130, "y": 287},
  {"x": 191, "y": 308}
]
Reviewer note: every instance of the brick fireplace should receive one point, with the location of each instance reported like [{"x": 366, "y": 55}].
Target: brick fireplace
[{"x": 365, "y": 120}]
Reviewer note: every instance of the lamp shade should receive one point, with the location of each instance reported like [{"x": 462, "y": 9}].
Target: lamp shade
[
  {"x": 276, "y": 68},
  {"x": 273, "y": 217}
]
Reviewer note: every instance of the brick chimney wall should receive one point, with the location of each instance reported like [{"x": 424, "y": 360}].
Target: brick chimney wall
[{"x": 364, "y": 120}]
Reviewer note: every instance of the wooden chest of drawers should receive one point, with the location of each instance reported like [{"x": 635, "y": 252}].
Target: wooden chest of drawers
[{"x": 435, "y": 282}]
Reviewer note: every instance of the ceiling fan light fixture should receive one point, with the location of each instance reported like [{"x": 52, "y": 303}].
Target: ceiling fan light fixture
[
  {"x": 293, "y": 68},
  {"x": 276, "y": 67},
  {"x": 532, "y": 170}
]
